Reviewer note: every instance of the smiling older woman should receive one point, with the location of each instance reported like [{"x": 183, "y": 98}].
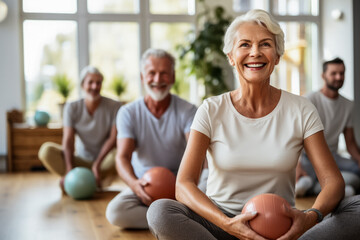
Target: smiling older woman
[{"x": 252, "y": 138}]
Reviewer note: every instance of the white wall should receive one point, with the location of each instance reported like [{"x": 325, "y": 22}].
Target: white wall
[
  {"x": 337, "y": 41},
  {"x": 10, "y": 70}
]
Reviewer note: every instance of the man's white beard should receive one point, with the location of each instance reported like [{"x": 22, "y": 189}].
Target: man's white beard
[
  {"x": 157, "y": 95},
  {"x": 91, "y": 97}
]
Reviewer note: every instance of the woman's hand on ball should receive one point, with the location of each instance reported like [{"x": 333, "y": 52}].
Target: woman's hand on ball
[{"x": 300, "y": 224}]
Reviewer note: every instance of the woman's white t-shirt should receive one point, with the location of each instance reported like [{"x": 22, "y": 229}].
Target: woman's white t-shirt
[{"x": 250, "y": 156}]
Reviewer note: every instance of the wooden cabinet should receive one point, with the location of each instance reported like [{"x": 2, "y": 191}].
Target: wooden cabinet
[{"x": 24, "y": 143}]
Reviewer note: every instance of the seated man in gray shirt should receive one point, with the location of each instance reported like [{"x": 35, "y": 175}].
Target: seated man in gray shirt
[
  {"x": 89, "y": 133},
  {"x": 152, "y": 131},
  {"x": 336, "y": 114}
]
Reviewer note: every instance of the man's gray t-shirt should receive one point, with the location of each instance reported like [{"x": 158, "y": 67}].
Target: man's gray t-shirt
[
  {"x": 91, "y": 130},
  {"x": 159, "y": 142},
  {"x": 335, "y": 114}
]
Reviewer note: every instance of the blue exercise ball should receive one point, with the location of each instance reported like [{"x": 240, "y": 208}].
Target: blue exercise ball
[
  {"x": 80, "y": 183},
  {"x": 41, "y": 118}
]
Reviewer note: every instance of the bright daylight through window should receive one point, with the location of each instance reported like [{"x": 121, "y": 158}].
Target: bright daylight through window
[{"x": 62, "y": 36}]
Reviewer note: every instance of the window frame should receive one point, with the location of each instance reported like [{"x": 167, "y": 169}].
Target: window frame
[
  {"x": 144, "y": 18},
  {"x": 315, "y": 75},
  {"x": 83, "y": 18}
]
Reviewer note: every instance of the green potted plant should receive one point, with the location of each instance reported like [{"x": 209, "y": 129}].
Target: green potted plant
[
  {"x": 203, "y": 57},
  {"x": 118, "y": 85},
  {"x": 63, "y": 86}
]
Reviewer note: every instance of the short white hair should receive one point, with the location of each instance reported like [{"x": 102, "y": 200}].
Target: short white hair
[
  {"x": 260, "y": 17},
  {"x": 89, "y": 69},
  {"x": 156, "y": 53}
]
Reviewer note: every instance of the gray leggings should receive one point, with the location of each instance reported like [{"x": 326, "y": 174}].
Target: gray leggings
[
  {"x": 169, "y": 219},
  {"x": 127, "y": 211}
]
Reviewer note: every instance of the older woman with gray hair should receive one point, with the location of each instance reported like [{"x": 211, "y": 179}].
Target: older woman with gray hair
[{"x": 252, "y": 138}]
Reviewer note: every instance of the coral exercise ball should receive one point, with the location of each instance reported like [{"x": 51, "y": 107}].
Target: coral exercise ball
[
  {"x": 41, "y": 118},
  {"x": 161, "y": 183},
  {"x": 80, "y": 183},
  {"x": 270, "y": 222}
]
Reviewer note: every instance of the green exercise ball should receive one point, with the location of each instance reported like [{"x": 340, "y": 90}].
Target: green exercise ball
[
  {"x": 80, "y": 183},
  {"x": 41, "y": 118}
]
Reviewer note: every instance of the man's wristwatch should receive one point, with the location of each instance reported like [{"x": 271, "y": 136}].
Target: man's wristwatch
[{"x": 319, "y": 214}]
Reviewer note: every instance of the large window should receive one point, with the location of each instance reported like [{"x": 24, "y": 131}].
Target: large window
[
  {"x": 116, "y": 54},
  {"x": 60, "y": 37},
  {"x": 50, "y": 50}
]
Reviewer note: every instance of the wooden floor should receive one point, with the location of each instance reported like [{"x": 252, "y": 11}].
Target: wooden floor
[{"x": 33, "y": 208}]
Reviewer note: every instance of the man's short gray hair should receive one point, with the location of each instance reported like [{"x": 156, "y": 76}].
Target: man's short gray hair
[
  {"x": 260, "y": 17},
  {"x": 89, "y": 69},
  {"x": 156, "y": 53}
]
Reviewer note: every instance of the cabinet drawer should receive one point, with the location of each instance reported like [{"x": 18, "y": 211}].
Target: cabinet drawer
[{"x": 25, "y": 144}]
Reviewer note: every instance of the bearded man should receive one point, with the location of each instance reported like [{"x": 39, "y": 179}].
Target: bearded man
[
  {"x": 89, "y": 133},
  {"x": 336, "y": 113},
  {"x": 152, "y": 131}
]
